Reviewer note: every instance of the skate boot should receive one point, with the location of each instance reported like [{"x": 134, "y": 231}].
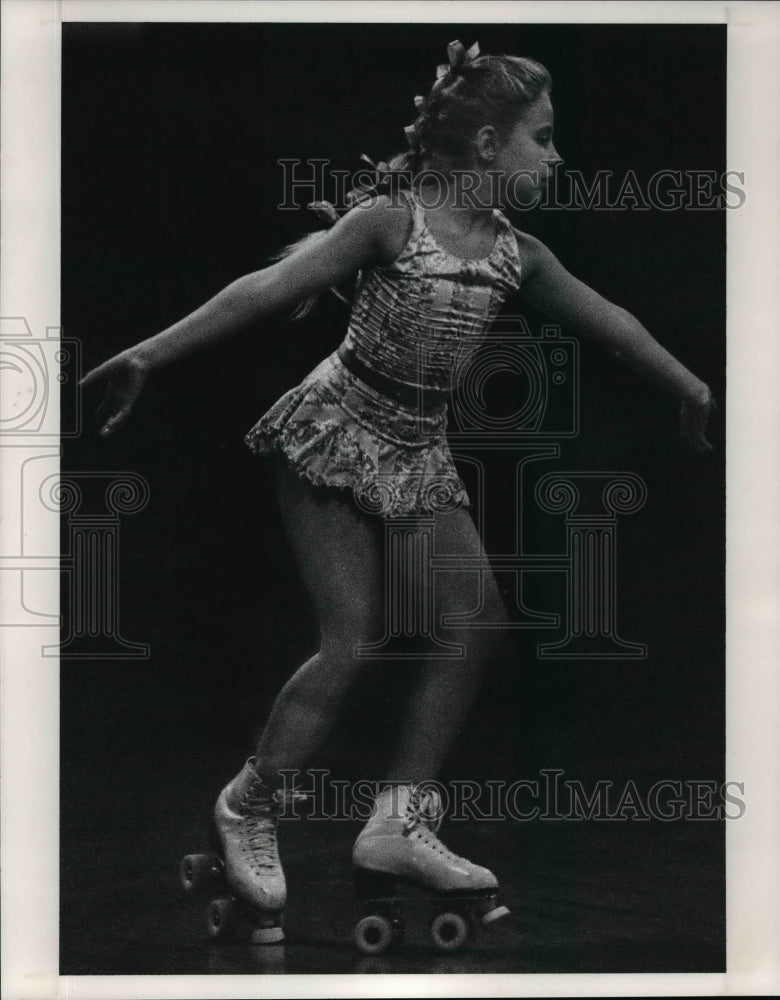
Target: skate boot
[
  {"x": 399, "y": 844},
  {"x": 245, "y": 821},
  {"x": 244, "y": 865}
]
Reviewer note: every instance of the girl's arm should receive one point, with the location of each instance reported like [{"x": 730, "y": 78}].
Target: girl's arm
[
  {"x": 549, "y": 287},
  {"x": 354, "y": 241}
]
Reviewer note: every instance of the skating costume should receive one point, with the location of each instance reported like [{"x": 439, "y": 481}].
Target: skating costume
[{"x": 372, "y": 416}]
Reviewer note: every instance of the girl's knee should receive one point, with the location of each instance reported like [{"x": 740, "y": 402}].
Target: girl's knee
[
  {"x": 342, "y": 640},
  {"x": 484, "y": 622},
  {"x": 479, "y": 599}
]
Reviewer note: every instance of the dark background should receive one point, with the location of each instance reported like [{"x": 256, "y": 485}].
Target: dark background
[{"x": 170, "y": 181}]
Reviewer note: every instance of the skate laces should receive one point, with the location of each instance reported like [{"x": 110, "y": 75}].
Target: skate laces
[
  {"x": 261, "y": 808},
  {"x": 260, "y": 800},
  {"x": 424, "y": 807},
  {"x": 424, "y": 815}
]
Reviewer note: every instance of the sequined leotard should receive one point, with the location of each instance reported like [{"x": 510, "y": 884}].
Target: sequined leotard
[{"x": 415, "y": 323}]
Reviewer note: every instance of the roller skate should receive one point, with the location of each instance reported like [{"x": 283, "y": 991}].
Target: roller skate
[
  {"x": 399, "y": 845},
  {"x": 242, "y": 872}
]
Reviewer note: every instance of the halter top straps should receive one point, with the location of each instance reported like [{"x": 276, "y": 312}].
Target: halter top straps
[{"x": 419, "y": 319}]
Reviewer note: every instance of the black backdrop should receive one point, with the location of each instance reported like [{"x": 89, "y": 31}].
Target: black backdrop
[{"x": 170, "y": 141}]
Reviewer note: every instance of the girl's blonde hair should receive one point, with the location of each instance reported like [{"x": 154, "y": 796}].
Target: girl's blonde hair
[
  {"x": 474, "y": 90},
  {"x": 471, "y": 91}
]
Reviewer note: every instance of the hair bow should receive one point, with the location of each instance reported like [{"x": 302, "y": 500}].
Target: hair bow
[
  {"x": 458, "y": 58},
  {"x": 380, "y": 169},
  {"x": 412, "y": 132},
  {"x": 366, "y": 190}
]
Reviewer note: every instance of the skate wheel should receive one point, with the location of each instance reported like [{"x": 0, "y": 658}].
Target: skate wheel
[
  {"x": 196, "y": 871},
  {"x": 373, "y": 935},
  {"x": 221, "y": 918},
  {"x": 449, "y": 931}
]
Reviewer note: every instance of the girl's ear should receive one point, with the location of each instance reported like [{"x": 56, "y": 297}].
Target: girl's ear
[{"x": 486, "y": 142}]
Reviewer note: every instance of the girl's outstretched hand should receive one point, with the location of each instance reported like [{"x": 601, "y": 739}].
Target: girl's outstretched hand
[
  {"x": 694, "y": 414},
  {"x": 124, "y": 377}
]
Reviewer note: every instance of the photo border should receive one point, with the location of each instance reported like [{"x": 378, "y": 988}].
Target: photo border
[{"x": 29, "y": 272}]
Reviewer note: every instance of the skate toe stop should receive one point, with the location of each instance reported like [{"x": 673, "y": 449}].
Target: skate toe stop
[
  {"x": 266, "y": 935},
  {"x": 497, "y": 913}
]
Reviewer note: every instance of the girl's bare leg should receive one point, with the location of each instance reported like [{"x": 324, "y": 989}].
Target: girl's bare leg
[
  {"x": 338, "y": 550},
  {"x": 340, "y": 554},
  {"x": 399, "y": 841},
  {"x": 445, "y": 688}
]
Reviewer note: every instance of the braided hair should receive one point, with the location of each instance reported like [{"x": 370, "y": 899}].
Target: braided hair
[
  {"x": 467, "y": 95},
  {"x": 471, "y": 91}
]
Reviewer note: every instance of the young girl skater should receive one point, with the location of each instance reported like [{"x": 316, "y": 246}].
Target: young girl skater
[{"x": 362, "y": 438}]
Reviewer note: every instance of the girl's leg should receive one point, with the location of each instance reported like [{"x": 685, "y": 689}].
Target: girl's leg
[
  {"x": 338, "y": 550},
  {"x": 446, "y": 688},
  {"x": 340, "y": 554},
  {"x": 399, "y": 840}
]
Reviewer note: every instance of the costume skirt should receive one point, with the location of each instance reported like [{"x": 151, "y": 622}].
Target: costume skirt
[{"x": 335, "y": 430}]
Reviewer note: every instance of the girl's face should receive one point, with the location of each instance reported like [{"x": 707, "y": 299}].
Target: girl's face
[{"x": 527, "y": 156}]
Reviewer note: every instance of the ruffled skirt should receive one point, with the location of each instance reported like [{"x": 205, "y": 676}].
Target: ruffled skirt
[{"x": 337, "y": 431}]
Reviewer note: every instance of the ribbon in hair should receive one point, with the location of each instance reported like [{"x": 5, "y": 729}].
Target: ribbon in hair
[
  {"x": 458, "y": 58},
  {"x": 413, "y": 131},
  {"x": 380, "y": 168},
  {"x": 326, "y": 211}
]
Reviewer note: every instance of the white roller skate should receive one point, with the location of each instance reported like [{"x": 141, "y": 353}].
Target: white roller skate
[
  {"x": 399, "y": 845},
  {"x": 244, "y": 864}
]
